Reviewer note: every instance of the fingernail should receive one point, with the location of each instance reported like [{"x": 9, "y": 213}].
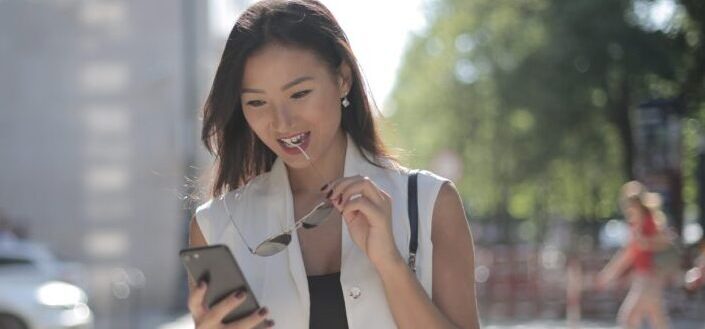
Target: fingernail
[
  {"x": 324, "y": 187},
  {"x": 240, "y": 294},
  {"x": 205, "y": 277},
  {"x": 269, "y": 323},
  {"x": 263, "y": 311},
  {"x": 329, "y": 194}
]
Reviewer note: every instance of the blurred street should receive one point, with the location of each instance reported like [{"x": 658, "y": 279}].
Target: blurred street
[
  {"x": 554, "y": 324},
  {"x": 184, "y": 323}
]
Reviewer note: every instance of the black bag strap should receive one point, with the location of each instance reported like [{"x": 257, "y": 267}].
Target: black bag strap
[{"x": 413, "y": 218}]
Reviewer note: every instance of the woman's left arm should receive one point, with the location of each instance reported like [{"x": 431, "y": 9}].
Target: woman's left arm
[
  {"x": 453, "y": 304},
  {"x": 367, "y": 213}
]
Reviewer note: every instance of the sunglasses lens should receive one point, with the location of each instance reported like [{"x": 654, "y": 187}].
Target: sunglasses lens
[
  {"x": 273, "y": 245},
  {"x": 318, "y": 215}
]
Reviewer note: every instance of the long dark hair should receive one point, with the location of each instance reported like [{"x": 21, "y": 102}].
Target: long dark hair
[{"x": 240, "y": 155}]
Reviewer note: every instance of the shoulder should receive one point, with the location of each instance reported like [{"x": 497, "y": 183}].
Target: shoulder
[
  {"x": 448, "y": 204},
  {"x": 431, "y": 179},
  {"x": 252, "y": 188},
  {"x": 425, "y": 177},
  {"x": 447, "y": 191},
  {"x": 431, "y": 186},
  {"x": 428, "y": 184},
  {"x": 448, "y": 217}
]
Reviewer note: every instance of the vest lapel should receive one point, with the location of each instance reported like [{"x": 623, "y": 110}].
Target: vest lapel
[
  {"x": 293, "y": 264},
  {"x": 284, "y": 288},
  {"x": 351, "y": 168}
]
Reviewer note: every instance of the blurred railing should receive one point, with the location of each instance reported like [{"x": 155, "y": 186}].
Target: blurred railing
[{"x": 529, "y": 282}]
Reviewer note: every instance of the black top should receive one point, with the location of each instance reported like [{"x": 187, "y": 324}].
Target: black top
[{"x": 327, "y": 304}]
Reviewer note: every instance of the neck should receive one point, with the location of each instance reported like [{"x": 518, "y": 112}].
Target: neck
[{"x": 329, "y": 166}]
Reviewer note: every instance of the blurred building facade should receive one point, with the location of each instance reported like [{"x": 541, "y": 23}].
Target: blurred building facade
[{"x": 99, "y": 107}]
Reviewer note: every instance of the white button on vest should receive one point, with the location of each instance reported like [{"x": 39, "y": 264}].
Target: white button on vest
[{"x": 355, "y": 292}]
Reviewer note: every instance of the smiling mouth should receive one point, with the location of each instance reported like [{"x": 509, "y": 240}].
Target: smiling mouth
[{"x": 294, "y": 141}]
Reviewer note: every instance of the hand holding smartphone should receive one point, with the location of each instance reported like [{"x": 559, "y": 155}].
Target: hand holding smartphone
[{"x": 223, "y": 279}]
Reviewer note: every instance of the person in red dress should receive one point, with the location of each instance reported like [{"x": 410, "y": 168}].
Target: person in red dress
[{"x": 644, "y": 300}]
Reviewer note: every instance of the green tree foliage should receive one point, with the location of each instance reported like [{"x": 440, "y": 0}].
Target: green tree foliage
[{"x": 535, "y": 96}]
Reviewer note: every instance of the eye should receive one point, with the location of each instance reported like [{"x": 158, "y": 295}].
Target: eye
[
  {"x": 301, "y": 94},
  {"x": 255, "y": 103}
]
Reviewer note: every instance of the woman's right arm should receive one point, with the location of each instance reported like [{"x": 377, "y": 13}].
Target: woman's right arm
[{"x": 208, "y": 318}]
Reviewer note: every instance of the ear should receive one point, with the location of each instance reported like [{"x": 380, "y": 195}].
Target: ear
[{"x": 344, "y": 79}]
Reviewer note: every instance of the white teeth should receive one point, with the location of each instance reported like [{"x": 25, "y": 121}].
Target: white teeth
[{"x": 293, "y": 141}]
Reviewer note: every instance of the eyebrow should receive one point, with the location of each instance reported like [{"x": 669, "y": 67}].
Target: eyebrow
[{"x": 284, "y": 87}]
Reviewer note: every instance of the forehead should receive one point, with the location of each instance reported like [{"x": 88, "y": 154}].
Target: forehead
[{"x": 276, "y": 64}]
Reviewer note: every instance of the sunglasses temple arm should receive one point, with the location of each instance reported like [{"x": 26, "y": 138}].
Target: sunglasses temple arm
[{"x": 318, "y": 173}]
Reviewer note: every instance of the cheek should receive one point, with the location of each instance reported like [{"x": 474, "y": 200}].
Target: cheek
[
  {"x": 326, "y": 110},
  {"x": 256, "y": 122}
]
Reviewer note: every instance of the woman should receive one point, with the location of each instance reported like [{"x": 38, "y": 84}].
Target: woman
[
  {"x": 290, "y": 123},
  {"x": 645, "y": 297}
]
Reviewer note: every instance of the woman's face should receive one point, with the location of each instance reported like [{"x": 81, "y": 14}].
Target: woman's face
[
  {"x": 289, "y": 93},
  {"x": 634, "y": 213}
]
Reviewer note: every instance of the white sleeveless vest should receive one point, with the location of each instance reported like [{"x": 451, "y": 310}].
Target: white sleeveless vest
[{"x": 265, "y": 206}]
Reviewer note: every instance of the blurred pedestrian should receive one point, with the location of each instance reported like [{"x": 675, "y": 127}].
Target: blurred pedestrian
[
  {"x": 574, "y": 289},
  {"x": 695, "y": 277},
  {"x": 644, "y": 300}
]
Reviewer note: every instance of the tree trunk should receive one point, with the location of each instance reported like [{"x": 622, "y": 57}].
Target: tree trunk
[{"x": 621, "y": 119}]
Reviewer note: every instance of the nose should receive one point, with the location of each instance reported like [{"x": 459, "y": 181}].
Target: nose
[{"x": 283, "y": 119}]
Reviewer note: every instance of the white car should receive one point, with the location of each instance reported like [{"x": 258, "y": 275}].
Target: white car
[{"x": 32, "y": 296}]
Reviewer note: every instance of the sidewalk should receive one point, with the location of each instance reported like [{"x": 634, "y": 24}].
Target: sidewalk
[{"x": 555, "y": 324}]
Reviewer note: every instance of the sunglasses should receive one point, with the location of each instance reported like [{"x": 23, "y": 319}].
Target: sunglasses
[{"x": 278, "y": 242}]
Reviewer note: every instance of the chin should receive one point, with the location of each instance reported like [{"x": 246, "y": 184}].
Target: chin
[
  {"x": 297, "y": 161},
  {"x": 296, "y": 164}
]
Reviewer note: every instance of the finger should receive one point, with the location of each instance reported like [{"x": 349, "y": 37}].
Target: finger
[
  {"x": 325, "y": 188},
  {"x": 225, "y": 306},
  {"x": 328, "y": 188},
  {"x": 363, "y": 187},
  {"x": 252, "y": 320},
  {"x": 362, "y": 205},
  {"x": 334, "y": 186},
  {"x": 195, "y": 300},
  {"x": 230, "y": 303},
  {"x": 339, "y": 187}
]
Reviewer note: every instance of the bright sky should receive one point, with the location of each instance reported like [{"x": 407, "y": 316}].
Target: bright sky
[{"x": 378, "y": 32}]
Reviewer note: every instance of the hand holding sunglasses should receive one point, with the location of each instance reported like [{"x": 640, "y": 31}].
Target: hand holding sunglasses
[
  {"x": 365, "y": 208},
  {"x": 367, "y": 211}
]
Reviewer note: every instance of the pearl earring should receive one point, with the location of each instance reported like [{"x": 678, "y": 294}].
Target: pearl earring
[{"x": 345, "y": 102}]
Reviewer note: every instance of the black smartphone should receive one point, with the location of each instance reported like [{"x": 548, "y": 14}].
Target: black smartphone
[{"x": 218, "y": 267}]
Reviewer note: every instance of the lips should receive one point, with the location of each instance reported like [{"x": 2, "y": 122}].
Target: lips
[
  {"x": 293, "y": 140},
  {"x": 289, "y": 144}
]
